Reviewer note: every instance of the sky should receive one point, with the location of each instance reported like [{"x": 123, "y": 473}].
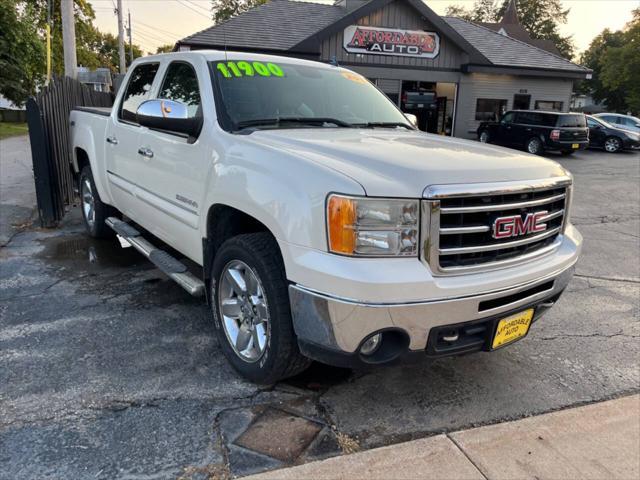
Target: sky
[{"x": 158, "y": 22}]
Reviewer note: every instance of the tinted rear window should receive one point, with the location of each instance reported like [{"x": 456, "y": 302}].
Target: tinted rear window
[
  {"x": 537, "y": 118},
  {"x": 572, "y": 121}
]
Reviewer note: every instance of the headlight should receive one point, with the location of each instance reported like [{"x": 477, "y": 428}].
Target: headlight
[{"x": 372, "y": 226}]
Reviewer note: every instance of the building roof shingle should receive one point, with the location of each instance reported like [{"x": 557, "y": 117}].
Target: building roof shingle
[
  {"x": 276, "y": 25},
  {"x": 502, "y": 50}
]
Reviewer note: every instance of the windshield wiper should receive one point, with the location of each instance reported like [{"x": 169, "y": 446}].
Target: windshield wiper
[
  {"x": 301, "y": 120},
  {"x": 384, "y": 125}
]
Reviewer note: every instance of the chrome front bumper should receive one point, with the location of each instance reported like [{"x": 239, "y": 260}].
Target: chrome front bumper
[{"x": 340, "y": 325}]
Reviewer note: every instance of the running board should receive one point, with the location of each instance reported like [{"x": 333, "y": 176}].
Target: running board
[{"x": 173, "y": 268}]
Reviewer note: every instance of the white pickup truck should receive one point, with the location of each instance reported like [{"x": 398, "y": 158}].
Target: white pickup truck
[{"x": 325, "y": 225}]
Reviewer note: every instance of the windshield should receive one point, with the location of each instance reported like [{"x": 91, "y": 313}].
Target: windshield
[{"x": 258, "y": 93}]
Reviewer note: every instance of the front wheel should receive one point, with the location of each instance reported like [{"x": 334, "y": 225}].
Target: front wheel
[
  {"x": 612, "y": 145},
  {"x": 251, "y": 312},
  {"x": 534, "y": 146},
  {"x": 484, "y": 137}
]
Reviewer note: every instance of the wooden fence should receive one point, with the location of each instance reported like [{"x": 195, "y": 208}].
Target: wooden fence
[{"x": 48, "y": 119}]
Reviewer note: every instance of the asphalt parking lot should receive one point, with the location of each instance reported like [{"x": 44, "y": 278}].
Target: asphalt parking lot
[{"x": 108, "y": 369}]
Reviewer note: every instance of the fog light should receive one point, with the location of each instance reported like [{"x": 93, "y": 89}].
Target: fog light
[{"x": 371, "y": 345}]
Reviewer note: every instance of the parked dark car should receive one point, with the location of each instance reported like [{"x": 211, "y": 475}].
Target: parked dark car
[
  {"x": 613, "y": 139},
  {"x": 537, "y": 131}
]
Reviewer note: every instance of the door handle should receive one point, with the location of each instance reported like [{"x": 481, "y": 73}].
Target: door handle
[
  {"x": 145, "y": 152},
  {"x": 112, "y": 140}
]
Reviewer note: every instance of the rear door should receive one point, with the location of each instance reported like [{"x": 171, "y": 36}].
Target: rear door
[
  {"x": 123, "y": 132},
  {"x": 573, "y": 127},
  {"x": 597, "y": 132}
]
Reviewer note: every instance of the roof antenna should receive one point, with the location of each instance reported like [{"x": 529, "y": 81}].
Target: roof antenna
[{"x": 224, "y": 33}]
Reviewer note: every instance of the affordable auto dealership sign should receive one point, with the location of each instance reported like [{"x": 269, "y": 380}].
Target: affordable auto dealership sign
[{"x": 390, "y": 41}]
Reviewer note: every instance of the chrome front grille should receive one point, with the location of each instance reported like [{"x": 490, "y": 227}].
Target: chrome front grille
[{"x": 458, "y": 222}]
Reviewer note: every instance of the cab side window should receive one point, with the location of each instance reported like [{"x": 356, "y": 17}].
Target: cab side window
[
  {"x": 138, "y": 88},
  {"x": 507, "y": 118},
  {"x": 181, "y": 85}
]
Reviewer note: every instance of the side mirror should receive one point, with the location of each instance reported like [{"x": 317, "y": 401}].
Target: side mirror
[
  {"x": 168, "y": 115},
  {"x": 413, "y": 120},
  {"x": 638, "y": 125}
]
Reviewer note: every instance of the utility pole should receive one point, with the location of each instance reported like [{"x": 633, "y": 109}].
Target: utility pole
[
  {"x": 130, "y": 41},
  {"x": 48, "y": 30},
  {"x": 123, "y": 67},
  {"x": 69, "y": 38}
]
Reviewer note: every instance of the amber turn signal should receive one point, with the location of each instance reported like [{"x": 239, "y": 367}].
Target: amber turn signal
[{"x": 341, "y": 219}]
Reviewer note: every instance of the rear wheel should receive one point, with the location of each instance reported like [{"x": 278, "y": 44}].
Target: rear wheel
[
  {"x": 94, "y": 211},
  {"x": 534, "y": 146},
  {"x": 484, "y": 136},
  {"x": 251, "y": 312},
  {"x": 612, "y": 145}
]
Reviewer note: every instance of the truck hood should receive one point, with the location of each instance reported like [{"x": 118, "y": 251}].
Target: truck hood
[{"x": 401, "y": 163}]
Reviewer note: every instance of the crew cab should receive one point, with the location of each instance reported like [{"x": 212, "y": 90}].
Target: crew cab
[
  {"x": 537, "y": 131},
  {"x": 315, "y": 219}
]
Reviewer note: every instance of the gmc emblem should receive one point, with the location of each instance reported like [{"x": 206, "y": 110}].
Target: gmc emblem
[{"x": 515, "y": 225}]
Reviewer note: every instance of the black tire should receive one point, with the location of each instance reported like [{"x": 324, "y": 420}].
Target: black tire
[
  {"x": 484, "y": 136},
  {"x": 534, "y": 146},
  {"x": 281, "y": 357},
  {"x": 98, "y": 227},
  {"x": 612, "y": 145},
  {"x": 566, "y": 153}
]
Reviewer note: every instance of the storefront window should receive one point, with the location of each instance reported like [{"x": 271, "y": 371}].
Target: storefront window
[
  {"x": 548, "y": 105},
  {"x": 489, "y": 109}
]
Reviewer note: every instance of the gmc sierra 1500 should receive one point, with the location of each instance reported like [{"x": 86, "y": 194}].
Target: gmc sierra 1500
[{"x": 326, "y": 226}]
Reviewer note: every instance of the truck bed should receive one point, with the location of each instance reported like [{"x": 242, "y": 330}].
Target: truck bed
[{"x": 104, "y": 111}]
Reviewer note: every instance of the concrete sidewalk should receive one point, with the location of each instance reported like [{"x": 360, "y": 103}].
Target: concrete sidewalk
[
  {"x": 597, "y": 441},
  {"x": 17, "y": 188}
]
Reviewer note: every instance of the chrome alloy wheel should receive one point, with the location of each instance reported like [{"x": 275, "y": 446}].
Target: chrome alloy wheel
[
  {"x": 243, "y": 311},
  {"x": 88, "y": 202},
  {"x": 612, "y": 145},
  {"x": 484, "y": 137}
]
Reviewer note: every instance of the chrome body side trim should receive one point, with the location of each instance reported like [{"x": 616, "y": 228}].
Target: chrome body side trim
[{"x": 342, "y": 324}]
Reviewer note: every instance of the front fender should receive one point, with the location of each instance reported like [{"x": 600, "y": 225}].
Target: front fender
[{"x": 284, "y": 192}]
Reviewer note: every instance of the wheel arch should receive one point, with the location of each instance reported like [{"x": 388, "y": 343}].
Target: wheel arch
[{"x": 222, "y": 223}]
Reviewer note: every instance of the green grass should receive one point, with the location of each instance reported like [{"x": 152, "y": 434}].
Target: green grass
[{"x": 12, "y": 129}]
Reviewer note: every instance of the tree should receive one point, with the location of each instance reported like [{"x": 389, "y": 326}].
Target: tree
[
  {"x": 87, "y": 36},
  {"x": 225, "y": 9},
  {"x": 541, "y": 18},
  {"x": 482, "y": 11},
  {"x": 165, "y": 48},
  {"x": 614, "y": 58},
  {"x": 22, "y": 56},
  {"x": 106, "y": 50}
]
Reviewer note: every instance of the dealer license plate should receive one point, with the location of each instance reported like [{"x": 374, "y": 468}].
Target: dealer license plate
[
  {"x": 575, "y": 145},
  {"x": 512, "y": 328}
]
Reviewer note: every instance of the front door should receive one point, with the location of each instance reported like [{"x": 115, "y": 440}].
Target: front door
[
  {"x": 123, "y": 134},
  {"x": 176, "y": 167},
  {"x": 506, "y": 129}
]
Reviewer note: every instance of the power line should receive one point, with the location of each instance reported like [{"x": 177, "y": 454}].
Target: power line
[{"x": 193, "y": 9}]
